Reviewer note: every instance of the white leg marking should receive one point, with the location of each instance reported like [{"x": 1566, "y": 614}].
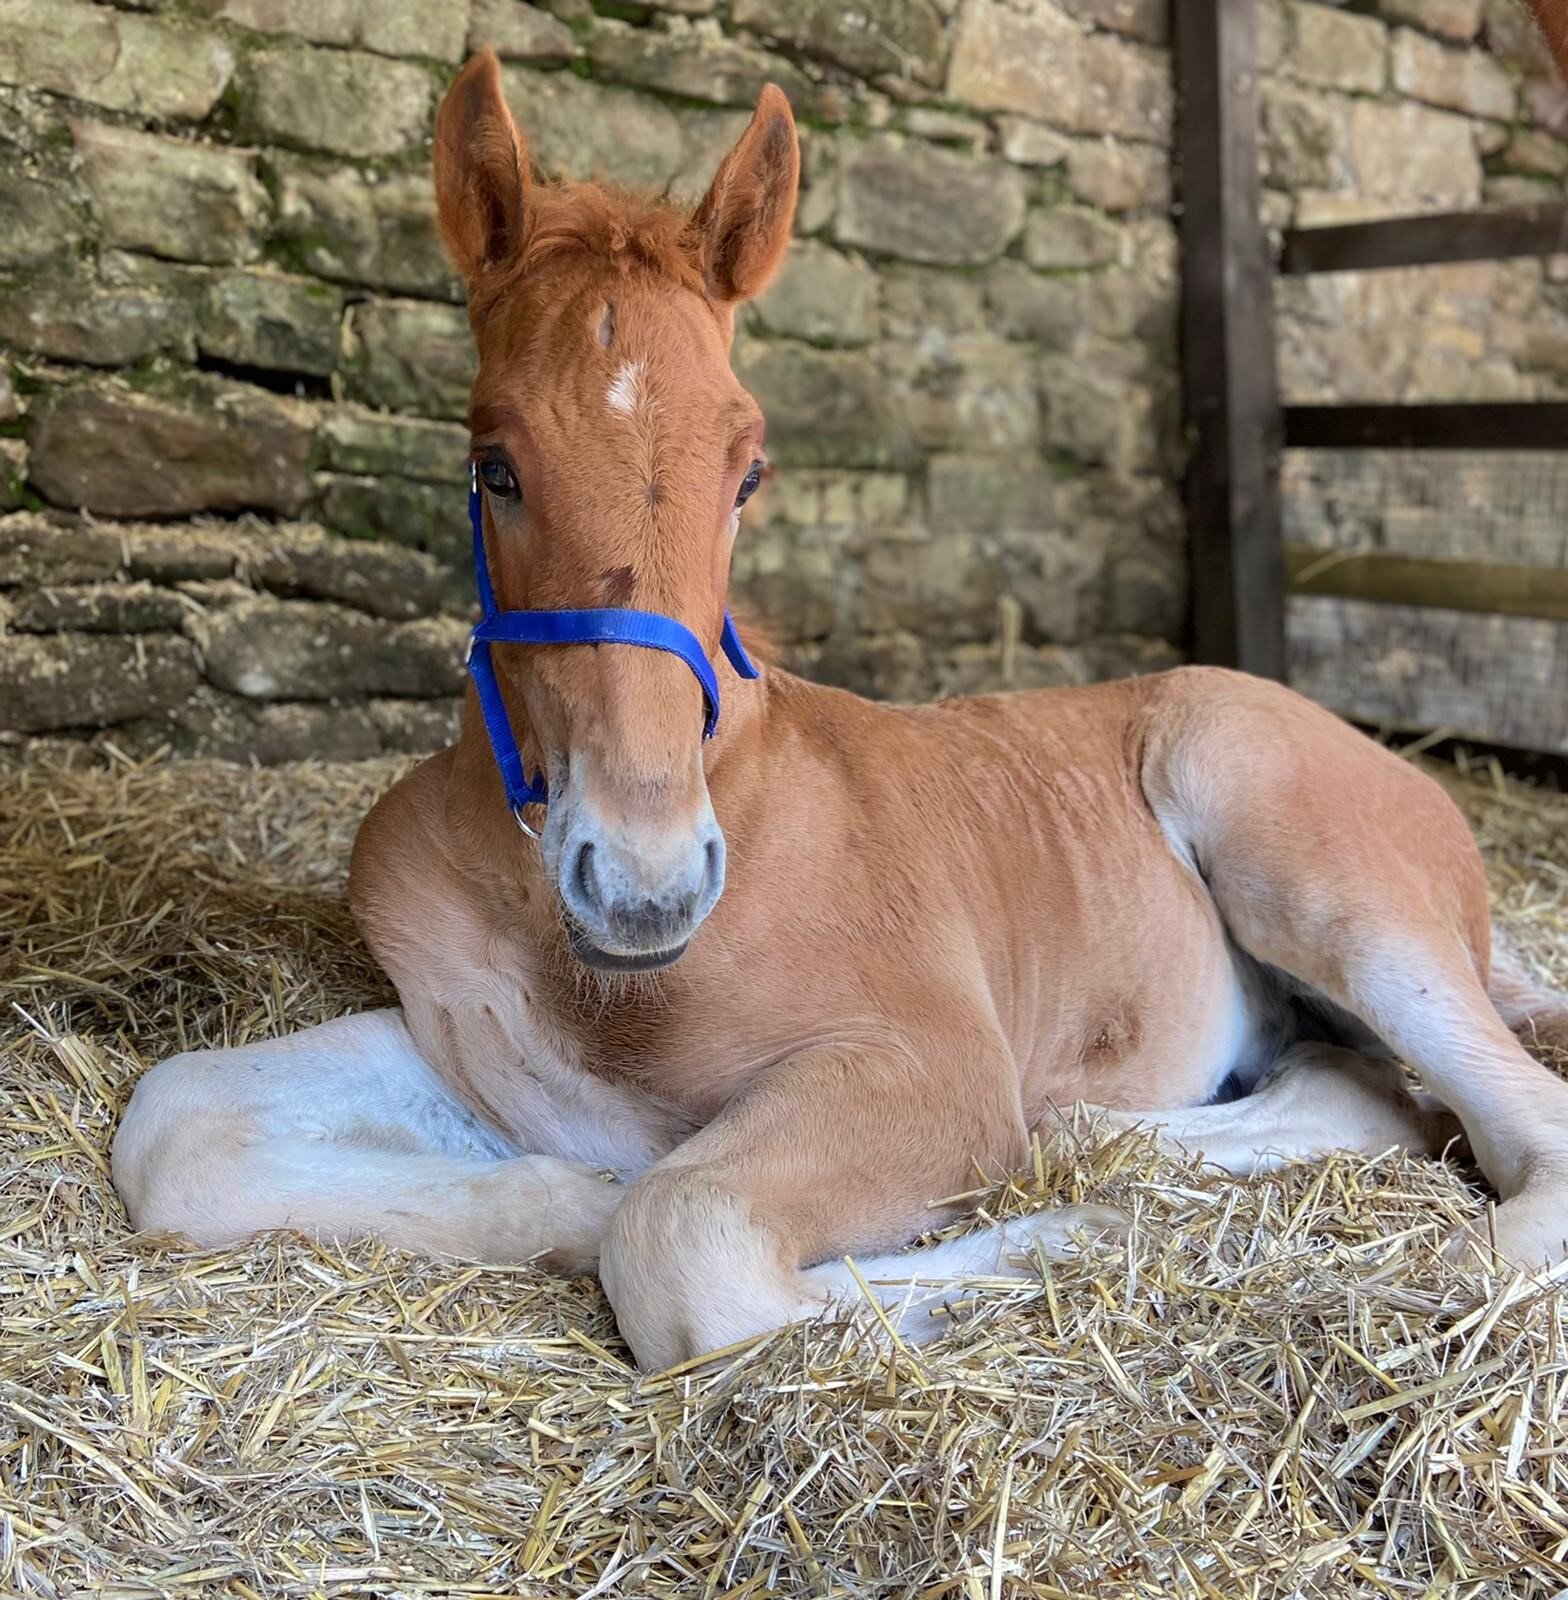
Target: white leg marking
[
  {"x": 342, "y": 1131},
  {"x": 1321, "y": 1099},
  {"x": 914, "y": 1286}
]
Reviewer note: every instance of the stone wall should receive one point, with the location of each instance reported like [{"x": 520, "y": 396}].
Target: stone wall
[
  {"x": 1402, "y": 107},
  {"x": 233, "y": 362}
]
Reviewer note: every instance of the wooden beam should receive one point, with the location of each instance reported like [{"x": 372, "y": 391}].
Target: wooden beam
[
  {"x": 1427, "y": 240},
  {"x": 1229, "y": 388},
  {"x": 1399, "y": 580},
  {"x": 1464, "y": 425}
]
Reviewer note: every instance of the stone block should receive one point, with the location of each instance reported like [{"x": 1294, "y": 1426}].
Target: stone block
[
  {"x": 1468, "y": 81},
  {"x": 10, "y": 405},
  {"x": 1070, "y": 236},
  {"x": 1148, "y": 20},
  {"x": 947, "y": 127},
  {"x": 70, "y": 316},
  {"x": 1126, "y": 90},
  {"x": 578, "y": 129},
  {"x": 696, "y": 66},
  {"x": 1339, "y": 50},
  {"x": 434, "y": 28},
  {"x": 944, "y": 587},
  {"x": 421, "y": 516},
  {"x": 42, "y": 226},
  {"x": 976, "y": 494},
  {"x": 42, "y": 549},
  {"x": 365, "y": 228},
  {"x": 1049, "y": 311},
  {"x": 374, "y": 444},
  {"x": 519, "y": 32},
  {"x": 927, "y": 205},
  {"x": 410, "y": 355},
  {"x": 899, "y": 38},
  {"x": 1510, "y": 34},
  {"x": 1055, "y": 572},
  {"x": 924, "y": 304},
  {"x": 73, "y": 680},
  {"x": 346, "y": 102},
  {"x": 384, "y": 580},
  {"x": 415, "y": 726},
  {"x": 98, "y": 608},
  {"x": 1016, "y": 58},
  {"x": 1038, "y": 62},
  {"x": 182, "y": 552},
  {"x": 13, "y": 474},
  {"x": 821, "y": 296},
  {"x": 1534, "y": 153},
  {"x": 826, "y": 407},
  {"x": 1116, "y": 176},
  {"x": 148, "y": 66},
  {"x": 208, "y": 446},
  {"x": 793, "y": 578},
  {"x": 172, "y": 197},
  {"x": 1031, "y": 144},
  {"x": 270, "y": 321},
  {"x": 1305, "y": 139},
  {"x": 266, "y": 649},
  {"x": 1409, "y": 157},
  {"x": 1454, "y": 19},
  {"x": 975, "y": 395}
]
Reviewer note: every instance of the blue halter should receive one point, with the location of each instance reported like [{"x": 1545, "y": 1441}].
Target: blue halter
[{"x": 600, "y": 625}]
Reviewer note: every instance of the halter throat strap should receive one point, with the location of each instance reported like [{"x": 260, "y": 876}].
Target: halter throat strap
[{"x": 597, "y": 625}]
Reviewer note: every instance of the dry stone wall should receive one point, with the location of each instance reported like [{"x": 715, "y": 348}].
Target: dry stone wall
[{"x": 234, "y": 364}]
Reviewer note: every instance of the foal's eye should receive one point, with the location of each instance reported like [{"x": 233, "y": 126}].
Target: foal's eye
[
  {"x": 498, "y": 478},
  {"x": 748, "y": 484}
]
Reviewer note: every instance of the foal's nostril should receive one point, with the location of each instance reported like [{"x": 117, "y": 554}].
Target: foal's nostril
[
  {"x": 713, "y": 865},
  {"x": 582, "y": 876}
]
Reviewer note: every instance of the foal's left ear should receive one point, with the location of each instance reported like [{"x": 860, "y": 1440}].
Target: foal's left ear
[
  {"x": 741, "y": 230},
  {"x": 482, "y": 178}
]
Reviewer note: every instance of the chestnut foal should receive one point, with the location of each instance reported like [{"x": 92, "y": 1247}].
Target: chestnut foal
[{"x": 938, "y": 924}]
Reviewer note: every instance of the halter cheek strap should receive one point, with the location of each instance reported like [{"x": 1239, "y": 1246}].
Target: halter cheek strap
[{"x": 599, "y": 625}]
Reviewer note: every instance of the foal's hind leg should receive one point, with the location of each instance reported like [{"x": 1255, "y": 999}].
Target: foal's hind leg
[
  {"x": 344, "y": 1131},
  {"x": 1337, "y": 862},
  {"x": 1318, "y": 1099}
]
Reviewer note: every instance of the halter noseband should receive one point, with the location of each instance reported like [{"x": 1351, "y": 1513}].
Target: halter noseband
[{"x": 599, "y": 625}]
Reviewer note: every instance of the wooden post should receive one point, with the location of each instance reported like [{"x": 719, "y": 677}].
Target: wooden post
[{"x": 1229, "y": 386}]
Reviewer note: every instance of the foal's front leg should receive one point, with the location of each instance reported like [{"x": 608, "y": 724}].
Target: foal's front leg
[{"x": 834, "y": 1151}]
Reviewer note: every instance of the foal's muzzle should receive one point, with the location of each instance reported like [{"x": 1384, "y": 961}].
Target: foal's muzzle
[{"x": 634, "y": 902}]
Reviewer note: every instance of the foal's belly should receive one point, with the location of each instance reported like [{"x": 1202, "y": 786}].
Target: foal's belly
[{"x": 1154, "y": 1025}]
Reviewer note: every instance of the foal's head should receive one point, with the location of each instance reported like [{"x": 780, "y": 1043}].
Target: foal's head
[{"x": 615, "y": 449}]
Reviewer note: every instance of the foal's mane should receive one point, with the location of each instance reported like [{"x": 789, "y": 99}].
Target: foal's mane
[{"x": 626, "y": 229}]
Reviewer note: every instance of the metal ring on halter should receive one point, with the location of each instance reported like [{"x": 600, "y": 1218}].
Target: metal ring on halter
[{"x": 517, "y": 817}]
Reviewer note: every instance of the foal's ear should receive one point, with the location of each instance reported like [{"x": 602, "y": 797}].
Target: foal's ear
[
  {"x": 741, "y": 229},
  {"x": 481, "y": 166}
]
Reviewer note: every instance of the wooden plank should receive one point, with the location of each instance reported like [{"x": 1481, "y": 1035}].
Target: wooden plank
[
  {"x": 1229, "y": 389},
  {"x": 1427, "y": 240},
  {"x": 1400, "y": 580},
  {"x": 1465, "y": 425}
]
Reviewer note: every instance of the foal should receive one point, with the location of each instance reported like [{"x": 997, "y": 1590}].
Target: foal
[{"x": 937, "y": 924}]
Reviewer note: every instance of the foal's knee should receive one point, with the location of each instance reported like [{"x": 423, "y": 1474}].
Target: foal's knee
[
  {"x": 172, "y": 1148},
  {"x": 689, "y": 1268}
]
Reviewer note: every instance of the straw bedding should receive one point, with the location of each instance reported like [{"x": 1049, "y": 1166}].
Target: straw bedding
[{"x": 1274, "y": 1391}]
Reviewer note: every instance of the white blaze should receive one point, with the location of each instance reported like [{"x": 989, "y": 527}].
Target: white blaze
[{"x": 626, "y": 391}]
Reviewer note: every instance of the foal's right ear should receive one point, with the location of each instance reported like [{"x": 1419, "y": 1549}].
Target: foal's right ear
[{"x": 481, "y": 166}]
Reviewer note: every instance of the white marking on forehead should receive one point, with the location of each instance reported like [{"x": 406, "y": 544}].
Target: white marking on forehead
[{"x": 625, "y": 393}]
